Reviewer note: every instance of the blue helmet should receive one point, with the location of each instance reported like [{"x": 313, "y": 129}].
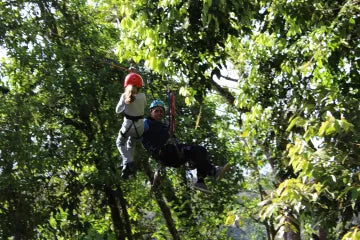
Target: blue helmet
[{"x": 157, "y": 103}]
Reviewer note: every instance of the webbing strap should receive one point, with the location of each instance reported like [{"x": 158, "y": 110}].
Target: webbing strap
[
  {"x": 133, "y": 118},
  {"x": 128, "y": 129},
  {"x": 171, "y": 104}
]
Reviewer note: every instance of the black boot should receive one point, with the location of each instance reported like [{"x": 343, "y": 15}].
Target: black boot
[{"x": 128, "y": 170}]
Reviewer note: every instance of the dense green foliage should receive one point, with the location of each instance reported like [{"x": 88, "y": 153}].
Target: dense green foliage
[{"x": 290, "y": 128}]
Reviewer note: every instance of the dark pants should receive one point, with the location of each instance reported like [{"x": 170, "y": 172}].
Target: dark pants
[{"x": 175, "y": 156}]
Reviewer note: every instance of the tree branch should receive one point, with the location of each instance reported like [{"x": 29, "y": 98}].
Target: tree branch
[
  {"x": 162, "y": 203},
  {"x": 229, "y": 78},
  {"x": 228, "y": 97},
  {"x": 223, "y": 92}
]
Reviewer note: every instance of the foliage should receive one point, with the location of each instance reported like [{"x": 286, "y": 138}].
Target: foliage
[{"x": 289, "y": 129}]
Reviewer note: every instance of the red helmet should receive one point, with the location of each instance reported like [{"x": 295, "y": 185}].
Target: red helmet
[{"x": 133, "y": 79}]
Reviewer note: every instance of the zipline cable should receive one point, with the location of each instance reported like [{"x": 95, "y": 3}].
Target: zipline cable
[{"x": 114, "y": 63}]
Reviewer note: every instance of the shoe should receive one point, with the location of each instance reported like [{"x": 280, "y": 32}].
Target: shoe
[
  {"x": 128, "y": 170},
  {"x": 201, "y": 186},
  {"x": 220, "y": 171}
]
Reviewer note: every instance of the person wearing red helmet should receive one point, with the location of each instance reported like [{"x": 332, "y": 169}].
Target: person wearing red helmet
[{"x": 132, "y": 103}]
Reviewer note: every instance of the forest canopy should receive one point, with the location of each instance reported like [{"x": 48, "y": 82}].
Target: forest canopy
[{"x": 287, "y": 118}]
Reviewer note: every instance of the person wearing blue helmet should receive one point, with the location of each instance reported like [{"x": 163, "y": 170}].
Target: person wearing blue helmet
[
  {"x": 157, "y": 103},
  {"x": 157, "y": 141}
]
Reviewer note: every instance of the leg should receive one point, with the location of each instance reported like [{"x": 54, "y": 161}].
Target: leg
[
  {"x": 129, "y": 133},
  {"x": 198, "y": 155},
  {"x": 134, "y": 133},
  {"x": 121, "y": 143},
  {"x": 128, "y": 167},
  {"x": 170, "y": 156}
]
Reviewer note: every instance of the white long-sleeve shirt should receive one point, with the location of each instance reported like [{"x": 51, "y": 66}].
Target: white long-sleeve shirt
[{"x": 136, "y": 108}]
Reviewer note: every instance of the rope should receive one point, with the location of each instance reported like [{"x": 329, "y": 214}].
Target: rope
[{"x": 171, "y": 104}]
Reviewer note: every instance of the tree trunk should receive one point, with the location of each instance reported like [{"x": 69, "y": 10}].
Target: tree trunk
[
  {"x": 167, "y": 215},
  {"x": 270, "y": 230},
  {"x": 115, "y": 214},
  {"x": 322, "y": 234},
  {"x": 185, "y": 210},
  {"x": 290, "y": 234},
  {"x": 123, "y": 205},
  {"x": 162, "y": 204}
]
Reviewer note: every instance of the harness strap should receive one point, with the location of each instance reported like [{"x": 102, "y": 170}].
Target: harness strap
[
  {"x": 137, "y": 133},
  {"x": 133, "y": 120}
]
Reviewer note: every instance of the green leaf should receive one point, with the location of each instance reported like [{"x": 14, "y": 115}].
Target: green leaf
[
  {"x": 323, "y": 128},
  {"x": 355, "y": 193},
  {"x": 330, "y": 130},
  {"x": 347, "y": 126}
]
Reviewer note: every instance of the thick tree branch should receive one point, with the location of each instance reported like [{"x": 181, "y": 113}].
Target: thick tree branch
[
  {"x": 115, "y": 214},
  {"x": 123, "y": 204},
  {"x": 223, "y": 92},
  {"x": 161, "y": 202},
  {"x": 229, "y": 78},
  {"x": 227, "y": 95}
]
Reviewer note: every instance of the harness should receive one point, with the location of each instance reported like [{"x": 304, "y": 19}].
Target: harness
[{"x": 133, "y": 120}]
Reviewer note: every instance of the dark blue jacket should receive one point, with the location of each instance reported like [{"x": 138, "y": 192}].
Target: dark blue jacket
[{"x": 156, "y": 134}]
